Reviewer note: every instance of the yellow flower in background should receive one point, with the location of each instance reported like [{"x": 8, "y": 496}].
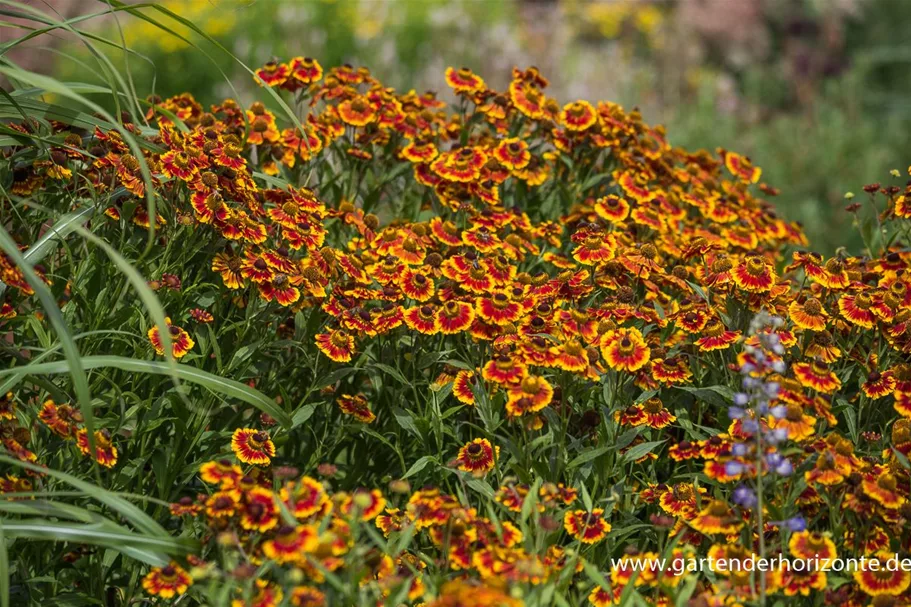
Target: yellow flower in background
[
  {"x": 647, "y": 19},
  {"x": 610, "y": 17},
  {"x": 210, "y": 17}
]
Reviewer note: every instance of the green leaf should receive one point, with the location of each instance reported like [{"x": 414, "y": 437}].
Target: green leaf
[
  {"x": 4, "y": 569},
  {"x": 419, "y": 465},
  {"x": 148, "y": 297},
  {"x": 73, "y": 364},
  {"x": 626, "y": 439},
  {"x": 130, "y": 512},
  {"x": 530, "y": 503},
  {"x": 595, "y": 575},
  {"x": 902, "y": 458},
  {"x": 589, "y": 455},
  {"x": 685, "y": 593},
  {"x": 850, "y": 415},
  {"x": 458, "y": 364},
  {"x": 698, "y": 291},
  {"x": 594, "y": 180},
  {"x": 145, "y": 548},
  {"x": 50, "y": 239},
  {"x": 481, "y": 487},
  {"x": 332, "y": 378},
  {"x": 390, "y": 371},
  {"x": 302, "y": 415},
  {"x": 718, "y": 396},
  {"x": 640, "y": 450},
  {"x": 406, "y": 421},
  {"x": 221, "y": 385},
  {"x": 646, "y": 395}
]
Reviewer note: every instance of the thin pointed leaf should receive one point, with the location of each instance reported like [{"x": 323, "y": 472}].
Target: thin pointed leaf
[{"x": 227, "y": 387}]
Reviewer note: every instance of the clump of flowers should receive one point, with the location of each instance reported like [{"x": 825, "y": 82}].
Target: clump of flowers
[{"x": 587, "y": 349}]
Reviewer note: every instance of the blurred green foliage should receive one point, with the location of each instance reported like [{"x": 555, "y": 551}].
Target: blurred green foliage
[{"x": 397, "y": 39}]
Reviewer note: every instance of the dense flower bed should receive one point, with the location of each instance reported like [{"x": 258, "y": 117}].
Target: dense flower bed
[{"x": 510, "y": 350}]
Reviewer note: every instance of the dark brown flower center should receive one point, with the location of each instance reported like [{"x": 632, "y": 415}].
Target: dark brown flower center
[
  {"x": 812, "y": 307},
  {"x": 755, "y": 266},
  {"x": 794, "y": 413},
  {"x": 653, "y": 405},
  {"x": 339, "y": 339}
]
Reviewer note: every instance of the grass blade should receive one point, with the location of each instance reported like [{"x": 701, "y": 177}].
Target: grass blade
[
  {"x": 4, "y": 569},
  {"x": 47, "y": 242},
  {"x": 228, "y": 387},
  {"x": 139, "y": 519},
  {"x": 73, "y": 358},
  {"x": 144, "y": 548},
  {"x": 58, "y": 88}
]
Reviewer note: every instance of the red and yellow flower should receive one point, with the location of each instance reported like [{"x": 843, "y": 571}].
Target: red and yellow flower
[
  {"x": 463, "y": 80},
  {"x": 817, "y": 376},
  {"x": 625, "y": 349},
  {"x": 337, "y": 344},
  {"x": 578, "y": 116},
  {"x": 717, "y": 336},
  {"x": 365, "y": 503},
  {"x": 357, "y": 407},
  {"x": 813, "y": 545},
  {"x": 754, "y": 274},
  {"x": 612, "y": 208},
  {"x": 305, "y": 497},
  {"x": 512, "y": 153},
  {"x": 455, "y": 317},
  {"x": 291, "y": 544},
  {"x": 105, "y": 451},
  {"x": 650, "y": 413},
  {"x": 530, "y": 395},
  {"x": 856, "y": 310},
  {"x": 883, "y": 488},
  {"x": 809, "y": 315},
  {"x": 478, "y": 457},
  {"x": 740, "y": 166},
  {"x": 799, "y": 424},
  {"x": 167, "y": 582},
  {"x": 463, "y": 387},
  {"x": 716, "y": 517},
  {"x": 252, "y": 446},
  {"x": 221, "y": 472},
  {"x": 63, "y": 420},
  {"x": 878, "y": 580},
  {"x": 586, "y": 527},
  {"x": 357, "y": 111},
  {"x": 498, "y": 309},
  {"x": 181, "y": 342},
  {"x": 260, "y": 512},
  {"x": 595, "y": 249}
]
